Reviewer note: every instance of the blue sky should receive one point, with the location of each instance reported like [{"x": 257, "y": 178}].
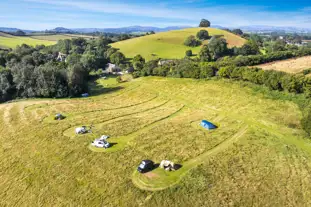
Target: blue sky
[{"x": 48, "y": 14}]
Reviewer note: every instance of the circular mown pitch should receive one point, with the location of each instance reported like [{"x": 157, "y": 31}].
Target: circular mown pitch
[
  {"x": 117, "y": 144},
  {"x": 157, "y": 179}
]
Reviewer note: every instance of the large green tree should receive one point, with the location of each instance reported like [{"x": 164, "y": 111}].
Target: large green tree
[
  {"x": 204, "y": 23},
  {"x": 117, "y": 58},
  {"x": 205, "y": 54},
  {"x": 217, "y": 47},
  {"x": 203, "y": 35},
  {"x": 191, "y": 41}
]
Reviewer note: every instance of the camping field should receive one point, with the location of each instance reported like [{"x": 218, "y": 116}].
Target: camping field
[
  {"x": 258, "y": 155},
  {"x": 10, "y": 41},
  {"x": 295, "y": 65},
  {"x": 170, "y": 45}
]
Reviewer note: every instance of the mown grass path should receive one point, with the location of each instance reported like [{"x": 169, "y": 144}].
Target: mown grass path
[{"x": 162, "y": 179}]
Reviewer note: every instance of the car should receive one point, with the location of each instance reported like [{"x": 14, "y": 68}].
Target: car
[
  {"x": 101, "y": 144},
  {"x": 145, "y": 166}
]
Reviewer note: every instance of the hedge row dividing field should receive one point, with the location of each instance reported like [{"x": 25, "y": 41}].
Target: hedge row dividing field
[{"x": 258, "y": 156}]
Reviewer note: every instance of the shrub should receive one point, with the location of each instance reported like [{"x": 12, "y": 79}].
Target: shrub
[
  {"x": 189, "y": 53},
  {"x": 203, "y": 35},
  {"x": 192, "y": 42}
]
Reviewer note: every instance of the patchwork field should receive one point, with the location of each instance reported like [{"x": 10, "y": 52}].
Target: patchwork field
[
  {"x": 170, "y": 44},
  {"x": 10, "y": 41},
  {"x": 57, "y": 37},
  {"x": 295, "y": 65},
  {"x": 259, "y": 156}
]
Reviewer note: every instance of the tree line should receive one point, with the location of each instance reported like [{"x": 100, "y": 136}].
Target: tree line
[{"x": 35, "y": 71}]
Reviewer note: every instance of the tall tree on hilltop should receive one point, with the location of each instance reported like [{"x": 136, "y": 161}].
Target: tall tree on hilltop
[{"x": 205, "y": 23}]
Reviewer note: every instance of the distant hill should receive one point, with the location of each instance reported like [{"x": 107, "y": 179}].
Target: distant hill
[
  {"x": 131, "y": 29},
  {"x": 144, "y": 29},
  {"x": 170, "y": 44},
  {"x": 8, "y": 29},
  {"x": 267, "y": 29}
]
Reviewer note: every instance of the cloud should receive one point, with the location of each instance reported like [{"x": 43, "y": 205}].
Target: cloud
[{"x": 225, "y": 15}]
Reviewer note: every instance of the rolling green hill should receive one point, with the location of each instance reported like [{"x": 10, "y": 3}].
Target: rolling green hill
[
  {"x": 258, "y": 156},
  {"x": 170, "y": 44}
]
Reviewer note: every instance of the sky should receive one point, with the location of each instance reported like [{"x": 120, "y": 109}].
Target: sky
[{"x": 48, "y": 14}]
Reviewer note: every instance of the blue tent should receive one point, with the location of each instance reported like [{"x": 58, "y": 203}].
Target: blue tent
[{"x": 208, "y": 125}]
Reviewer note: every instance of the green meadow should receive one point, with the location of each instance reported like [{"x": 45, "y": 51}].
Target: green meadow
[
  {"x": 10, "y": 41},
  {"x": 170, "y": 45},
  {"x": 258, "y": 156}
]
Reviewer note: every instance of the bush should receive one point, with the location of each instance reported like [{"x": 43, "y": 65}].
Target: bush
[
  {"x": 203, "y": 35},
  {"x": 192, "y": 42},
  {"x": 119, "y": 79},
  {"x": 189, "y": 53}
]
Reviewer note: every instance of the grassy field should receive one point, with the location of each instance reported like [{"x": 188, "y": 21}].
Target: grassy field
[
  {"x": 170, "y": 44},
  {"x": 10, "y": 41},
  {"x": 259, "y": 155},
  {"x": 57, "y": 37},
  {"x": 295, "y": 65}
]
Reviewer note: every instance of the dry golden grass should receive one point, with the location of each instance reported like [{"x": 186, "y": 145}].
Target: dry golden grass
[{"x": 295, "y": 65}]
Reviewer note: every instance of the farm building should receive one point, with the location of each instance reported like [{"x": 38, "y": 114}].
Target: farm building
[
  {"x": 112, "y": 68},
  {"x": 207, "y": 125},
  {"x": 61, "y": 57},
  {"x": 164, "y": 62}
]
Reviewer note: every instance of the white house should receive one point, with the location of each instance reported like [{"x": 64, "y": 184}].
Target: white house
[
  {"x": 61, "y": 57},
  {"x": 112, "y": 68}
]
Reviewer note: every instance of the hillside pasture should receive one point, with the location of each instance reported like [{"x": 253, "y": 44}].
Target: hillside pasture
[
  {"x": 258, "y": 156},
  {"x": 56, "y": 37},
  {"x": 295, "y": 65},
  {"x": 10, "y": 41},
  {"x": 170, "y": 44}
]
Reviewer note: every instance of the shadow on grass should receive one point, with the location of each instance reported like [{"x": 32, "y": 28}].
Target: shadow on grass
[
  {"x": 112, "y": 144},
  {"x": 97, "y": 89}
]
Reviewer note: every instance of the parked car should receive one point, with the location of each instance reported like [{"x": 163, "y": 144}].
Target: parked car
[
  {"x": 145, "y": 166},
  {"x": 101, "y": 144}
]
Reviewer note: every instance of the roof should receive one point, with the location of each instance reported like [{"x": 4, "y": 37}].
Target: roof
[{"x": 147, "y": 161}]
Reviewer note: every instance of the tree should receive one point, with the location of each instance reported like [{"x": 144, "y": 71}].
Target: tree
[
  {"x": 7, "y": 88},
  {"x": 237, "y": 32},
  {"x": 152, "y": 32},
  {"x": 204, "y": 54},
  {"x": 203, "y": 35},
  {"x": 88, "y": 61},
  {"x": 51, "y": 81},
  {"x": 207, "y": 70},
  {"x": 139, "y": 58},
  {"x": 77, "y": 78},
  {"x": 117, "y": 58},
  {"x": 249, "y": 48},
  {"x": 189, "y": 53},
  {"x": 192, "y": 42},
  {"x": 110, "y": 52},
  {"x": 205, "y": 23},
  {"x": 217, "y": 47}
]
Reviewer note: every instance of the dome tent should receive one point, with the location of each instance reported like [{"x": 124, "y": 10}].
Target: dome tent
[{"x": 208, "y": 125}]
